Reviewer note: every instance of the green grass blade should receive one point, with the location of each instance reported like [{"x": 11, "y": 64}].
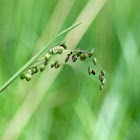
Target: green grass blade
[{"x": 34, "y": 58}]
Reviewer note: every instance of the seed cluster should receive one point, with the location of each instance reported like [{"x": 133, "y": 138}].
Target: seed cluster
[
  {"x": 30, "y": 72},
  {"x": 74, "y": 54}
]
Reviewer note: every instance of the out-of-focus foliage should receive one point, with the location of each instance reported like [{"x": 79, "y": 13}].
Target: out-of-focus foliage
[{"x": 66, "y": 104}]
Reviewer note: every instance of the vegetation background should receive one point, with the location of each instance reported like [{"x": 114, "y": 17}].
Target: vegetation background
[{"x": 66, "y": 104}]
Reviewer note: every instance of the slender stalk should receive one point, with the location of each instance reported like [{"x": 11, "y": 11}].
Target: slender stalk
[{"x": 34, "y": 58}]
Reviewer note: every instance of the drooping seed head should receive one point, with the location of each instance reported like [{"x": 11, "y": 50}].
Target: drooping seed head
[
  {"x": 42, "y": 67},
  {"x": 101, "y": 87},
  {"x": 74, "y": 58},
  {"x": 47, "y": 57},
  {"x": 28, "y": 77},
  {"x": 89, "y": 70},
  {"x": 78, "y": 53},
  {"x": 101, "y": 78},
  {"x": 94, "y": 61},
  {"x": 64, "y": 45},
  {"x": 93, "y": 72},
  {"x": 22, "y": 76},
  {"x": 103, "y": 73}
]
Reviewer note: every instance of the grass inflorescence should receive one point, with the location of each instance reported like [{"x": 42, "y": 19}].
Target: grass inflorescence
[{"x": 73, "y": 54}]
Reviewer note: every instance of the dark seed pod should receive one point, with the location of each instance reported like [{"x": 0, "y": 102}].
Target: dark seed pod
[
  {"x": 83, "y": 57},
  {"x": 64, "y": 45},
  {"x": 74, "y": 58},
  {"x": 67, "y": 58},
  {"x": 103, "y": 73},
  {"x": 101, "y": 78},
  {"x": 28, "y": 77},
  {"x": 94, "y": 61},
  {"x": 42, "y": 67},
  {"x": 93, "y": 72},
  {"x": 47, "y": 57},
  {"x": 89, "y": 70},
  {"x": 78, "y": 53},
  {"x": 22, "y": 76},
  {"x": 57, "y": 65},
  {"x": 101, "y": 87}
]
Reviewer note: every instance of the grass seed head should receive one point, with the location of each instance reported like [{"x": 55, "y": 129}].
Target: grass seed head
[
  {"x": 94, "y": 61},
  {"x": 78, "y": 53},
  {"x": 83, "y": 57},
  {"x": 30, "y": 71},
  {"x": 57, "y": 65},
  {"x": 42, "y": 67},
  {"x": 101, "y": 78},
  {"x": 90, "y": 54},
  {"x": 55, "y": 50},
  {"x": 103, "y": 82},
  {"x": 103, "y": 73},
  {"x": 22, "y": 76},
  {"x": 93, "y": 72},
  {"x": 53, "y": 63},
  {"x": 50, "y": 51},
  {"x": 28, "y": 77},
  {"x": 60, "y": 50},
  {"x": 36, "y": 68},
  {"x": 47, "y": 56},
  {"x": 74, "y": 58},
  {"x": 67, "y": 58},
  {"x": 101, "y": 87},
  {"x": 89, "y": 70}
]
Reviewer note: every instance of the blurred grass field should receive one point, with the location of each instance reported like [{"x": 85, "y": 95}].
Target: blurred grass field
[{"x": 66, "y": 104}]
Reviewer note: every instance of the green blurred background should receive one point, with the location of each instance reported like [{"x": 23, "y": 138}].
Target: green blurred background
[{"x": 66, "y": 104}]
